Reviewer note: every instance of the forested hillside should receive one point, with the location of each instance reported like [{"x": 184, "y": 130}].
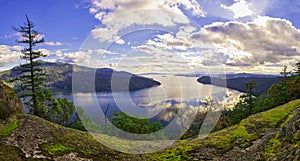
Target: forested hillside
[
  {"x": 237, "y": 83},
  {"x": 59, "y": 76}
]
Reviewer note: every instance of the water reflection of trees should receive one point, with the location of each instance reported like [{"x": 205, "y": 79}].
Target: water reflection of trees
[
  {"x": 207, "y": 116},
  {"x": 191, "y": 118},
  {"x": 187, "y": 115}
]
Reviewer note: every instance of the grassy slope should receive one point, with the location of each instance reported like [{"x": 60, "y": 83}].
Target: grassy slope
[
  {"x": 64, "y": 140},
  {"x": 246, "y": 132}
]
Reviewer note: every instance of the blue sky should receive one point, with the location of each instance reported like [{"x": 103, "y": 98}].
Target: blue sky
[
  {"x": 170, "y": 36},
  {"x": 60, "y": 21}
]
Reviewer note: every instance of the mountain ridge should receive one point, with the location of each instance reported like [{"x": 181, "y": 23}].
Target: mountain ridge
[{"x": 60, "y": 77}]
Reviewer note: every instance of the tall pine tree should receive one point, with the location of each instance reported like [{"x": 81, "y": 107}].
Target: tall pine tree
[
  {"x": 249, "y": 96},
  {"x": 32, "y": 76},
  {"x": 297, "y": 69},
  {"x": 285, "y": 74},
  {"x": 40, "y": 100}
]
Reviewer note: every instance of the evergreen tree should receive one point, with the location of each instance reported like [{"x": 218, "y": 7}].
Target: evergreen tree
[
  {"x": 136, "y": 125},
  {"x": 40, "y": 100},
  {"x": 67, "y": 109},
  {"x": 249, "y": 96},
  {"x": 32, "y": 76},
  {"x": 297, "y": 69},
  {"x": 285, "y": 74},
  {"x": 278, "y": 94}
]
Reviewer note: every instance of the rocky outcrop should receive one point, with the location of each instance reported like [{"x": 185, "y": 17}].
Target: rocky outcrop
[
  {"x": 271, "y": 135},
  {"x": 9, "y": 102},
  {"x": 36, "y": 139},
  {"x": 289, "y": 138},
  {"x": 29, "y": 136}
]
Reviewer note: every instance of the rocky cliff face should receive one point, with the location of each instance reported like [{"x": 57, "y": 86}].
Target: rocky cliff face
[
  {"x": 288, "y": 140},
  {"x": 9, "y": 102}
]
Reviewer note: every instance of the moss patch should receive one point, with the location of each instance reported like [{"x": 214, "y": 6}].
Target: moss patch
[
  {"x": 274, "y": 116},
  {"x": 67, "y": 140},
  {"x": 179, "y": 152},
  {"x": 85, "y": 153},
  {"x": 242, "y": 136},
  {"x": 297, "y": 136},
  {"x": 9, "y": 128},
  {"x": 227, "y": 140},
  {"x": 289, "y": 118},
  {"x": 273, "y": 147},
  {"x": 56, "y": 149},
  {"x": 10, "y": 153}
]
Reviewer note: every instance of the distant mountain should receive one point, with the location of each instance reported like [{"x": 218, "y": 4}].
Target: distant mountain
[
  {"x": 230, "y": 75},
  {"x": 249, "y": 75},
  {"x": 59, "y": 76},
  {"x": 191, "y": 75},
  {"x": 236, "y": 82}
]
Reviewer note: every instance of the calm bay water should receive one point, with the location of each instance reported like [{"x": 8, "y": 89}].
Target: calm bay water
[{"x": 157, "y": 103}]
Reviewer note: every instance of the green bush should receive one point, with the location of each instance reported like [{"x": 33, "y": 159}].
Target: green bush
[{"x": 134, "y": 125}]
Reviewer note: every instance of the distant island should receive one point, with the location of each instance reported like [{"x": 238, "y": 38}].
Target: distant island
[
  {"x": 59, "y": 77},
  {"x": 236, "y": 81}
]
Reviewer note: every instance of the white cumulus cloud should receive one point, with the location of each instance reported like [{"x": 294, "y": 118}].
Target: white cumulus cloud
[
  {"x": 240, "y": 8},
  {"x": 119, "y": 14},
  {"x": 249, "y": 46},
  {"x": 51, "y": 43},
  {"x": 9, "y": 54},
  {"x": 263, "y": 40}
]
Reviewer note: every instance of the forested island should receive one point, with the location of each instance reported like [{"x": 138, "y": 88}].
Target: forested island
[
  {"x": 237, "y": 81},
  {"x": 59, "y": 77}
]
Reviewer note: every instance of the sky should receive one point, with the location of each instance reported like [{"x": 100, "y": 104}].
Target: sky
[{"x": 159, "y": 36}]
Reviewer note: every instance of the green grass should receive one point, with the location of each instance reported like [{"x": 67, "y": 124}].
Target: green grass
[
  {"x": 275, "y": 115},
  {"x": 272, "y": 148},
  {"x": 226, "y": 140},
  {"x": 286, "y": 112},
  {"x": 174, "y": 154},
  {"x": 56, "y": 149},
  {"x": 297, "y": 136},
  {"x": 7, "y": 129},
  {"x": 66, "y": 140},
  {"x": 289, "y": 118},
  {"x": 85, "y": 153}
]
